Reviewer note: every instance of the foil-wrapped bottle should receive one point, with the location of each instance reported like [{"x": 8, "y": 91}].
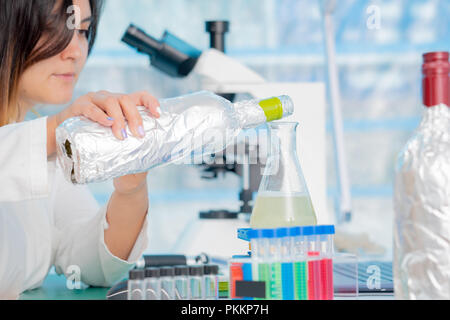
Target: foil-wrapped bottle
[
  {"x": 422, "y": 194},
  {"x": 190, "y": 127}
]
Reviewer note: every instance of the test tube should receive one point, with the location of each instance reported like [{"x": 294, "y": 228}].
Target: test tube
[
  {"x": 298, "y": 254},
  {"x": 325, "y": 237},
  {"x": 286, "y": 281},
  {"x": 167, "y": 283},
  {"x": 283, "y": 243},
  {"x": 196, "y": 285},
  {"x": 181, "y": 282},
  {"x": 236, "y": 274},
  {"x": 152, "y": 284},
  {"x": 273, "y": 260},
  {"x": 313, "y": 253},
  {"x": 264, "y": 267},
  {"x": 136, "y": 284},
  {"x": 257, "y": 251},
  {"x": 211, "y": 281},
  {"x": 297, "y": 241}
]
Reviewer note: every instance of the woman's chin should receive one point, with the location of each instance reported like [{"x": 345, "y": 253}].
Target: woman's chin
[{"x": 60, "y": 98}]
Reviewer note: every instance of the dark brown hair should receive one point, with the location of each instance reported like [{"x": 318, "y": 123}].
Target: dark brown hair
[{"x": 22, "y": 24}]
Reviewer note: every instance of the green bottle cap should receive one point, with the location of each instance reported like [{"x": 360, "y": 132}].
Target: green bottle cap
[{"x": 273, "y": 108}]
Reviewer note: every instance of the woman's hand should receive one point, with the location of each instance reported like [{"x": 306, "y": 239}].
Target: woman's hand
[
  {"x": 108, "y": 109},
  {"x": 113, "y": 110}
]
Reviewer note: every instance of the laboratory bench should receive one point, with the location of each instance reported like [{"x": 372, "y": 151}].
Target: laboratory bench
[{"x": 54, "y": 288}]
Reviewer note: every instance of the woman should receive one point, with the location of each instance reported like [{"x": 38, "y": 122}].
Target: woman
[{"x": 44, "y": 220}]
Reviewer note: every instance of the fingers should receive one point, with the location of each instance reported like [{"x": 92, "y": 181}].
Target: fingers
[
  {"x": 116, "y": 110},
  {"x": 147, "y": 100},
  {"x": 92, "y": 112},
  {"x": 111, "y": 105},
  {"x": 132, "y": 115}
]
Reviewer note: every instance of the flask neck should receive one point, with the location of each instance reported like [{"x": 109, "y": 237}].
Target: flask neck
[
  {"x": 283, "y": 172},
  {"x": 436, "y": 79},
  {"x": 283, "y": 138}
]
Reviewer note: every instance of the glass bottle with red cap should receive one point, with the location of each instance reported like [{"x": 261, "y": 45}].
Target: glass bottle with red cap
[{"x": 422, "y": 193}]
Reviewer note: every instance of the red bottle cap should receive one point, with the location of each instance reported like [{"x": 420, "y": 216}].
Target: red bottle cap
[{"x": 436, "y": 82}]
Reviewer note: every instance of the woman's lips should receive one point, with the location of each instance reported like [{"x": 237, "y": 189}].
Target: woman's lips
[{"x": 65, "y": 76}]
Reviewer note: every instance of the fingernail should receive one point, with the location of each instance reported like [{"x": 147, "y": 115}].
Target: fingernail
[
  {"x": 141, "y": 131},
  {"x": 124, "y": 134},
  {"x": 110, "y": 119}
]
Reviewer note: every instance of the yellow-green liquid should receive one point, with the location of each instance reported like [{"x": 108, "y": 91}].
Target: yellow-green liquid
[{"x": 275, "y": 210}]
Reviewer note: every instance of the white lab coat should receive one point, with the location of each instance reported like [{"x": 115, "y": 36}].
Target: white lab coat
[{"x": 46, "y": 221}]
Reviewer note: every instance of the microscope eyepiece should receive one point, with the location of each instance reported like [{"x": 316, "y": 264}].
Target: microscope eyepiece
[
  {"x": 143, "y": 42},
  {"x": 217, "y": 31},
  {"x": 170, "y": 55}
]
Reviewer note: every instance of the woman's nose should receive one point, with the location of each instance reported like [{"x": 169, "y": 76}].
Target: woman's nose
[{"x": 74, "y": 50}]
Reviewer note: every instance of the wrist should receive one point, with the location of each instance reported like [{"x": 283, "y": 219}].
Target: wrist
[
  {"x": 61, "y": 117},
  {"x": 130, "y": 190}
]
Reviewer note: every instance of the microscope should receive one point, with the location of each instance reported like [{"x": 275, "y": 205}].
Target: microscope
[{"x": 213, "y": 70}]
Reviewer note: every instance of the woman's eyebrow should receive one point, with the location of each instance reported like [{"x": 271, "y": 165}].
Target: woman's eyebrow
[{"x": 88, "y": 19}]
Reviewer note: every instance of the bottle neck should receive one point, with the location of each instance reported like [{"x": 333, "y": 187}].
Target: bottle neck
[
  {"x": 436, "y": 79},
  {"x": 252, "y": 113},
  {"x": 436, "y": 119},
  {"x": 249, "y": 114}
]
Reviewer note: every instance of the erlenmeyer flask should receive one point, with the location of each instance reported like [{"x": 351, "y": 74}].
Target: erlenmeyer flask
[{"x": 283, "y": 199}]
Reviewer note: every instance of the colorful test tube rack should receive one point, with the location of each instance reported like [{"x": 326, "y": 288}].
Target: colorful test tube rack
[{"x": 294, "y": 263}]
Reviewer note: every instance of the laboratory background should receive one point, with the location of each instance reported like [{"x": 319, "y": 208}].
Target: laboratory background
[{"x": 379, "y": 71}]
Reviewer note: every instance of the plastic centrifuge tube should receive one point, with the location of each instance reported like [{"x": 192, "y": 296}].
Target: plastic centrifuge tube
[
  {"x": 211, "y": 281},
  {"x": 236, "y": 274},
  {"x": 273, "y": 260},
  {"x": 256, "y": 251},
  {"x": 181, "y": 282},
  {"x": 313, "y": 254},
  {"x": 285, "y": 257},
  {"x": 152, "y": 284},
  {"x": 167, "y": 283},
  {"x": 196, "y": 285},
  {"x": 136, "y": 284},
  {"x": 261, "y": 260},
  {"x": 298, "y": 252},
  {"x": 325, "y": 237}
]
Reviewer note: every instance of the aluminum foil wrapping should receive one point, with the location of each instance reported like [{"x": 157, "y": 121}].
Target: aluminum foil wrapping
[
  {"x": 422, "y": 211},
  {"x": 190, "y": 127}
]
